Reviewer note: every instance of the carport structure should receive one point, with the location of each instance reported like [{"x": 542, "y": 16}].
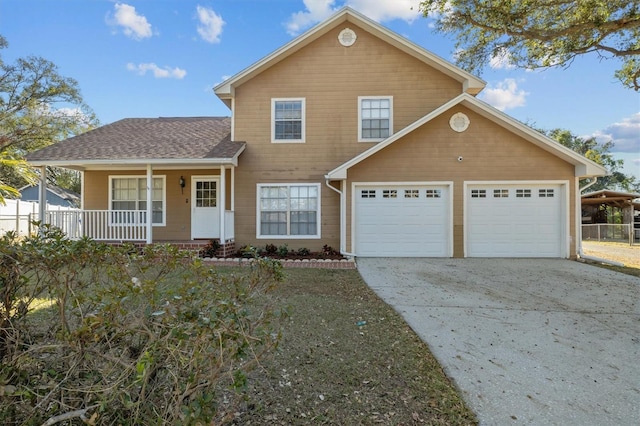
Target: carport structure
[{"x": 611, "y": 215}]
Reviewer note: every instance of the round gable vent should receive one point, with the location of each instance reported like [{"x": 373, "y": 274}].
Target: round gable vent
[
  {"x": 459, "y": 122},
  {"x": 347, "y": 37}
]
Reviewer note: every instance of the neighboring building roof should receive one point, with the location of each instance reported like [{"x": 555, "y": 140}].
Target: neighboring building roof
[
  {"x": 612, "y": 198},
  {"x": 146, "y": 140},
  {"x": 584, "y": 166},
  {"x": 71, "y": 197},
  {"x": 471, "y": 84}
]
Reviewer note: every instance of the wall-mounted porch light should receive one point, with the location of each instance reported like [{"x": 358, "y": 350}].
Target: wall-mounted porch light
[{"x": 182, "y": 184}]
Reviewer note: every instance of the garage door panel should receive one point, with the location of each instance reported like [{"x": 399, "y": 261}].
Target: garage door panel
[
  {"x": 411, "y": 223},
  {"x": 511, "y": 220}
]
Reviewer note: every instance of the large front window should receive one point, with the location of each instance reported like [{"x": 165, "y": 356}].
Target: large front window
[
  {"x": 289, "y": 211},
  {"x": 375, "y": 118},
  {"x": 128, "y": 194},
  {"x": 287, "y": 120}
]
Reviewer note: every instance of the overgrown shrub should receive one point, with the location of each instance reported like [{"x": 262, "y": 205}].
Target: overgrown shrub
[{"x": 136, "y": 337}]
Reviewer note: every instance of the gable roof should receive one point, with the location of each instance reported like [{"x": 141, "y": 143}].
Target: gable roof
[
  {"x": 177, "y": 140},
  {"x": 584, "y": 167},
  {"x": 471, "y": 84}
]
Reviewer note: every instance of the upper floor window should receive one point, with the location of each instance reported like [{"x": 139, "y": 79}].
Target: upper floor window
[
  {"x": 288, "y": 117},
  {"x": 375, "y": 118}
]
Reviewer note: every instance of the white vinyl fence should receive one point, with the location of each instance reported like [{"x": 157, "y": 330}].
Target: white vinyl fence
[{"x": 18, "y": 216}]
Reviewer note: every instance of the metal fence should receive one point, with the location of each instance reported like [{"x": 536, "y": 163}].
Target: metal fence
[{"x": 623, "y": 233}]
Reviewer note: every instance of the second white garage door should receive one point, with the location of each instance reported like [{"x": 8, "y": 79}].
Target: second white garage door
[
  {"x": 402, "y": 221},
  {"x": 512, "y": 220}
]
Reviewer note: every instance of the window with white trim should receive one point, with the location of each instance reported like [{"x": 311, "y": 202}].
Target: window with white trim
[
  {"x": 389, "y": 193},
  {"x": 375, "y": 118},
  {"x": 128, "y": 194},
  {"x": 287, "y": 120},
  {"x": 500, "y": 193},
  {"x": 523, "y": 193},
  {"x": 368, "y": 193},
  {"x": 411, "y": 193},
  {"x": 478, "y": 193},
  {"x": 288, "y": 210}
]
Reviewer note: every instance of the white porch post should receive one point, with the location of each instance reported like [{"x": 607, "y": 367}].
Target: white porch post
[
  {"x": 42, "y": 195},
  {"x": 223, "y": 203},
  {"x": 149, "y": 204},
  {"x": 233, "y": 189}
]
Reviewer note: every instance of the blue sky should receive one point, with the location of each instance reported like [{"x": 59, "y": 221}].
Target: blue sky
[{"x": 152, "y": 58}]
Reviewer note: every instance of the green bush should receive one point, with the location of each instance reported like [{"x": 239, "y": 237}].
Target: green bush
[{"x": 136, "y": 337}]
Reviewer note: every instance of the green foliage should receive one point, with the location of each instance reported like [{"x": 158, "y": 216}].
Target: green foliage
[
  {"x": 283, "y": 250},
  {"x": 38, "y": 107},
  {"x": 137, "y": 336},
  {"x": 540, "y": 34},
  {"x": 598, "y": 153}
]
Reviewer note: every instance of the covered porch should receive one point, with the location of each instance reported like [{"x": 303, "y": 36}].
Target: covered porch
[{"x": 148, "y": 181}]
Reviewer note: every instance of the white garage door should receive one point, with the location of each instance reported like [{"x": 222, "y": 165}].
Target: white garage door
[
  {"x": 402, "y": 221},
  {"x": 514, "y": 220}
]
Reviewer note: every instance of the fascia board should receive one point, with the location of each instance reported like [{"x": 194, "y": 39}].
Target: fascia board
[
  {"x": 135, "y": 162},
  {"x": 584, "y": 166}
]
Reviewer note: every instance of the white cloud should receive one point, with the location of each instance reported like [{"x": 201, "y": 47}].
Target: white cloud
[
  {"x": 158, "y": 72},
  {"x": 210, "y": 26},
  {"x": 501, "y": 60},
  {"x": 378, "y": 10},
  {"x": 624, "y": 134},
  {"x": 505, "y": 95},
  {"x": 133, "y": 25}
]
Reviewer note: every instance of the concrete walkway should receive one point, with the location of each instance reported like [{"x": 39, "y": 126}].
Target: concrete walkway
[{"x": 535, "y": 342}]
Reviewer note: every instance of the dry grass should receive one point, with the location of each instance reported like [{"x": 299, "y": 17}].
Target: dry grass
[
  {"x": 347, "y": 358},
  {"x": 618, "y": 252}
]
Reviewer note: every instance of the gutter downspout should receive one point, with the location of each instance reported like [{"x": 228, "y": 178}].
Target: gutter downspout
[
  {"x": 580, "y": 252},
  {"x": 343, "y": 218}
]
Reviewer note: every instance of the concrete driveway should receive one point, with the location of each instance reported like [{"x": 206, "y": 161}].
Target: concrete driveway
[{"x": 527, "y": 341}]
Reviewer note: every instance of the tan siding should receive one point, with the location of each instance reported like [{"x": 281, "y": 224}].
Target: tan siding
[
  {"x": 330, "y": 77},
  {"x": 489, "y": 153}
]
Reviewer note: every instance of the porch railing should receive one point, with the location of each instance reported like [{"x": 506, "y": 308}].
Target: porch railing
[
  {"x": 113, "y": 225},
  {"x": 102, "y": 225}
]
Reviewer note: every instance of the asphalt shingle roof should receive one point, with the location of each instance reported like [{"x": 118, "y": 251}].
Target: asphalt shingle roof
[{"x": 148, "y": 139}]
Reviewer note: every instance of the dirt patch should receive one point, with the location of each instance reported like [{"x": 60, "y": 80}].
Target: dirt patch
[{"x": 617, "y": 252}]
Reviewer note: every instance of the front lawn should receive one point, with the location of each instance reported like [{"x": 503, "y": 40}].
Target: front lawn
[{"x": 347, "y": 358}]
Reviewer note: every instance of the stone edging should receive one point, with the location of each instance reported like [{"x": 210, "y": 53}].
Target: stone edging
[{"x": 297, "y": 263}]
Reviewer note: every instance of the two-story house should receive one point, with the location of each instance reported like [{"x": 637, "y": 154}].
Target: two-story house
[{"x": 349, "y": 136}]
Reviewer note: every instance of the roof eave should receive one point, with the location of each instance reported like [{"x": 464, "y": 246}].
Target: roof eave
[{"x": 583, "y": 166}]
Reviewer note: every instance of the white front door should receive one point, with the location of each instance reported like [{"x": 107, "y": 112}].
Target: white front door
[{"x": 205, "y": 213}]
